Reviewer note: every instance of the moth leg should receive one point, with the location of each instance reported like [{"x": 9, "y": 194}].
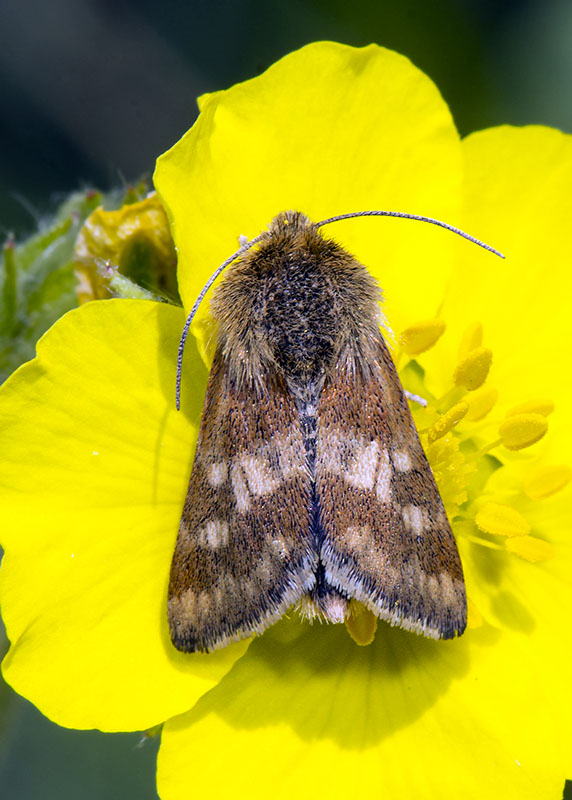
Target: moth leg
[{"x": 415, "y": 398}]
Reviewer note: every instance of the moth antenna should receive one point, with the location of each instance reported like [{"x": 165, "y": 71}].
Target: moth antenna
[
  {"x": 245, "y": 245},
  {"x": 419, "y": 218}
]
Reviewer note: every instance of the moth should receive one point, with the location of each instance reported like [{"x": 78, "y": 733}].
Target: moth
[{"x": 309, "y": 486}]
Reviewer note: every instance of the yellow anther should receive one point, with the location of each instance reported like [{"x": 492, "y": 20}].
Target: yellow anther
[
  {"x": 530, "y": 548},
  {"x": 420, "y": 337},
  {"x": 452, "y": 472},
  {"x": 361, "y": 623},
  {"x": 447, "y": 422},
  {"x": 480, "y": 403},
  {"x": 546, "y": 481},
  {"x": 472, "y": 338},
  {"x": 542, "y": 406},
  {"x": 522, "y": 430},
  {"x": 472, "y": 371},
  {"x": 501, "y": 520},
  {"x": 474, "y": 617}
]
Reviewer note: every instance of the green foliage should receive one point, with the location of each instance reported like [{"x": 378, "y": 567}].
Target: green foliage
[{"x": 37, "y": 281}]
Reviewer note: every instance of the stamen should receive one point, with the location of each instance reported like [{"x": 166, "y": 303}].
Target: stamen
[
  {"x": 546, "y": 481},
  {"x": 451, "y": 397},
  {"x": 522, "y": 430},
  {"x": 501, "y": 520},
  {"x": 543, "y": 406},
  {"x": 361, "y": 623},
  {"x": 483, "y": 542},
  {"x": 459, "y": 466},
  {"x": 420, "y": 337},
  {"x": 471, "y": 339},
  {"x": 452, "y": 471},
  {"x": 472, "y": 372},
  {"x": 530, "y": 548},
  {"x": 447, "y": 422},
  {"x": 480, "y": 403}
]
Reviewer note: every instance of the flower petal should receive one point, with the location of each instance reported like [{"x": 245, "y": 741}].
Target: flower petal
[
  {"x": 405, "y": 717},
  {"x": 518, "y": 199},
  {"x": 92, "y": 485},
  {"x": 328, "y": 129}
]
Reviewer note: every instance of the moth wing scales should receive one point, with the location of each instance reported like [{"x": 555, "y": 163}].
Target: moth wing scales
[
  {"x": 387, "y": 541},
  {"x": 243, "y": 554}
]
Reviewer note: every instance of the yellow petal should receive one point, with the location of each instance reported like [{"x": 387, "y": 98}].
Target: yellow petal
[
  {"x": 367, "y": 131},
  {"x": 95, "y": 462},
  {"x": 518, "y": 199},
  {"x": 327, "y": 717},
  {"x": 474, "y": 616}
]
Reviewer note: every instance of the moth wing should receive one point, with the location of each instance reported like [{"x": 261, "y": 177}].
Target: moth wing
[
  {"x": 244, "y": 553},
  {"x": 386, "y": 539}
]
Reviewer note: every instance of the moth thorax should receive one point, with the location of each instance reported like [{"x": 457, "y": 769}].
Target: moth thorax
[{"x": 297, "y": 300}]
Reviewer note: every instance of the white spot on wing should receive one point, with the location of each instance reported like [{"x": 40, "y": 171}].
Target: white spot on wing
[
  {"x": 434, "y": 587},
  {"x": 214, "y": 534},
  {"x": 258, "y": 474},
  {"x": 401, "y": 460},
  {"x": 217, "y": 473},
  {"x": 413, "y": 518},
  {"x": 364, "y": 466},
  {"x": 280, "y": 545},
  {"x": 383, "y": 486},
  {"x": 184, "y": 606},
  {"x": 240, "y": 489},
  {"x": 203, "y": 603},
  {"x": 448, "y": 590},
  {"x": 290, "y": 452},
  {"x": 331, "y": 452}
]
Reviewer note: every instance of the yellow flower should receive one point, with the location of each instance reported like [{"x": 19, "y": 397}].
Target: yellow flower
[{"x": 95, "y": 460}]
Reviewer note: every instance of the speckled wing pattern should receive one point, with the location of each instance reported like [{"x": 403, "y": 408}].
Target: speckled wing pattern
[
  {"x": 243, "y": 554},
  {"x": 386, "y": 538}
]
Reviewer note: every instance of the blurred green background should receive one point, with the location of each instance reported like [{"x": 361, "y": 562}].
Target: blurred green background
[{"x": 91, "y": 91}]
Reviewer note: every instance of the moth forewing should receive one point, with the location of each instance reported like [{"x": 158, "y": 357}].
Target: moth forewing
[
  {"x": 309, "y": 484},
  {"x": 243, "y": 555},
  {"x": 387, "y": 541}
]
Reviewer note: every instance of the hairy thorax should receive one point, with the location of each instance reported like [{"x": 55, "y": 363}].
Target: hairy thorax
[{"x": 298, "y": 305}]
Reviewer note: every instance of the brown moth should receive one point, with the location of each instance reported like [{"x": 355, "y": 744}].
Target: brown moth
[{"x": 309, "y": 485}]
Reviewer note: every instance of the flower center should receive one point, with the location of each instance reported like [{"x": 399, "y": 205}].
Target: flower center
[{"x": 467, "y": 442}]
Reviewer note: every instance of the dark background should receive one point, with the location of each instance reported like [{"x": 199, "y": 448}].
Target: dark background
[{"x": 91, "y": 91}]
